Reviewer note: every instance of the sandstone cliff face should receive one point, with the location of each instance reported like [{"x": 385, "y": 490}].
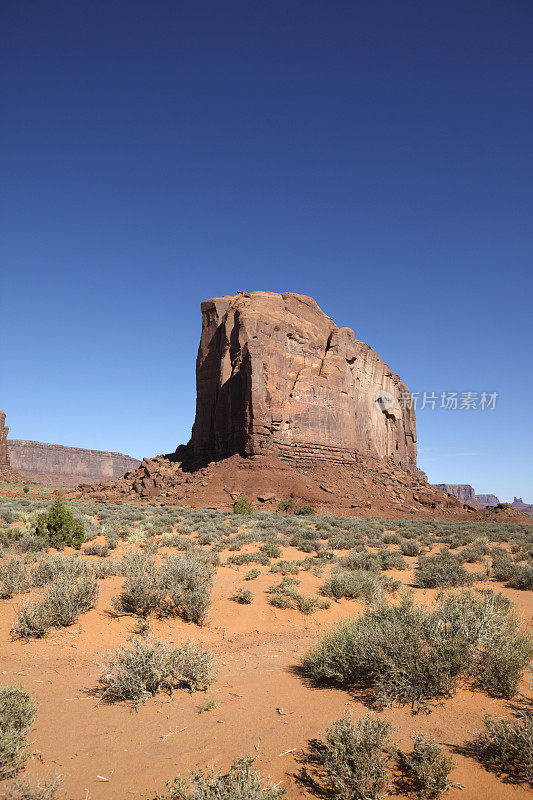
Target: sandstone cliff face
[
  {"x": 463, "y": 491},
  {"x": 520, "y": 505},
  {"x": 66, "y": 466},
  {"x": 7, "y": 473},
  {"x": 4, "y": 457},
  {"x": 485, "y": 500},
  {"x": 275, "y": 375}
]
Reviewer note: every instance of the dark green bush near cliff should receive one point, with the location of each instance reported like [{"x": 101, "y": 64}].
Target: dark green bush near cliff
[
  {"x": 59, "y": 527},
  {"x": 242, "y": 506}
]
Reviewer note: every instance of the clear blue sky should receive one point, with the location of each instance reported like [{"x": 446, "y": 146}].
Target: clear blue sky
[{"x": 375, "y": 155}]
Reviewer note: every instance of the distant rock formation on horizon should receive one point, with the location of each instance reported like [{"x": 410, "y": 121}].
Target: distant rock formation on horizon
[
  {"x": 276, "y": 376},
  {"x": 526, "y": 508},
  {"x": 66, "y": 466},
  {"x": 466, "y": 494},
  {"x": 462, "y": 491},
  {"x": 485, "y": 500}
]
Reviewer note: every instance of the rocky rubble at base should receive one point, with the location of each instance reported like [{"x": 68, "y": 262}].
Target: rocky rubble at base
[{"x": 370, "y": 486}]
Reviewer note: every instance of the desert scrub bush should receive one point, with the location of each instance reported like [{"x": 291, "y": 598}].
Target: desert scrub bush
[
  {"x": 252, "y": 574},
  {"x": 14, "y": 578},
  {"x": 59, "y": 527},
  {"x": 49, "y": 568},
  {"x": 286, "y": 506},
  {"x": 244, "y": 596},
  {"x": 241, "y": 782},
  {"x": 410, "y": 654},
  {"x": 284, "y": 595},
  {"x": 506, "y": 747},
  {"x": 143, "y": 591},
  {"x": 95, "y": 549},
  {"x": 248, "y": 558},
  {"x": 426, "y": 768},
  {"x": 29, "y": 789},
  {"x": 61, "y": 604},
  {"x": 391, "y": 559},
  {"x": 516, "y": 576},
  {"x": 147, "y": 666},
  {"x": 355, "y": 758},
  {"x": 31, "y": 543},
  {"x": 357, "y": 583},
  {"x": 188, "y": 580},
  {"x": 488, "y": 624},
  {"x": 271, "y": 550},
  {"x": 409, "y": 547},
  {"x": 304, "y": 511},
  {"x": 242, "y": 506},
  {"x": 442, "y": 570},
  {"x": 360, "y": 559},
  {"x": 17, "y": 711}
]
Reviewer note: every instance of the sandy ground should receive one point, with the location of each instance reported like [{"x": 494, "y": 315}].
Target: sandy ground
[{"x": 266, "y": 708}]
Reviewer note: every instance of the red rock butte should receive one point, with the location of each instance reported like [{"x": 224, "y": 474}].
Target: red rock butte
[{"x": 275, "y": 375}]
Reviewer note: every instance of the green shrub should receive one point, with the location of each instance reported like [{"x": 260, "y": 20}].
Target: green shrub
[
  {"x": 252, "y": 574},
  {"x": 355, "y": 758},
  {"x": 59, "y": 527},
  {"x": 243, "y": 506},
  {"x": 304, "y": 511},
  {"x": 26, "y": 489},
  {"x": 442, "y": 570},
  {"x": 135, "y": 673},
  {"x": 244, "y": 596},
  {"x": 286, "y": 505},
  {"x": 241, "y": 782},
  {"x": 17, "y": 711},
  {"x": 506, "y": 747},
  {"x": 426, "y": 768}
]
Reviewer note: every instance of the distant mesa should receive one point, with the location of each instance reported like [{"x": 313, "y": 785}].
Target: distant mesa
[
  {"x": 66, "y": 466},
  {"x": 466, "y": 494}
]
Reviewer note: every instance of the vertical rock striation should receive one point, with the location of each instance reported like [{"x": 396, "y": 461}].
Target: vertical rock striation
[
  {"x": 6, "y": 473},
  {"x": 274, "y": 374}
]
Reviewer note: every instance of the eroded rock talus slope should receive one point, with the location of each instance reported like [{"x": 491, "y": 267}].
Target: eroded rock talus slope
[{"x": 275, "y": 375}]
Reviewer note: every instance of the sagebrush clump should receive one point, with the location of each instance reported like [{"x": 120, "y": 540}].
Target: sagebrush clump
[
  {"x": 355, "y": 758},
  {"x": 17, "y": 711},
  {"x": 241, "y": 782},
  {"x": 147, "y": 666},
  {"x": 506, "y": 747},
  {"x": 407, "y": 653},
  {"x": 426, "y": 768}
]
